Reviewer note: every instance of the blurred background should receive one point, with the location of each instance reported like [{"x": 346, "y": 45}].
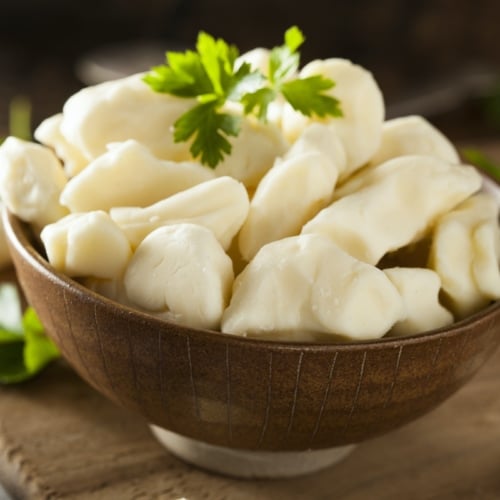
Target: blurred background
[{"x": 439, "y": 58}]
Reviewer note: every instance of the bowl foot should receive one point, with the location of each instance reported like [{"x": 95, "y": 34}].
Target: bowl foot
[{"x": 248, "y": 463}]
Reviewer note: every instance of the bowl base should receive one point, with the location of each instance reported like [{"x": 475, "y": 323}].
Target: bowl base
[{"x": 248, "y": 463}]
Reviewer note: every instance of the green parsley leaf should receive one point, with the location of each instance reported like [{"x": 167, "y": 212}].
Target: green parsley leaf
[
  {"x": 209, "y": 127},
  {"x": 13, "y": 369},
  {"x": 284, "y": 61},
  {"x": 39, "y": 350},
  {"x": 258, "y": 100},
  {"x": 24, "y": 347},
  {"x": 218, "y": 60},
  {"x": 184, "y": 76},
  {"x": 480, "y": 160},
  {"x": 212, "y": 76},
  {"x": 306, "y": 95}
]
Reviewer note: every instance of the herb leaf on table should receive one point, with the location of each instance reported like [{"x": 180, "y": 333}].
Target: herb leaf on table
[{"x": 24, "y": 348}]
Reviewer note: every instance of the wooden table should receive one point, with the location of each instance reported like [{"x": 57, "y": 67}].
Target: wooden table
[{"x": 61, "y": 439}]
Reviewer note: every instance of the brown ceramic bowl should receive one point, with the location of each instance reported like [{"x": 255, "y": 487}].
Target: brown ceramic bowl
[{"x": 242, "y": 393}]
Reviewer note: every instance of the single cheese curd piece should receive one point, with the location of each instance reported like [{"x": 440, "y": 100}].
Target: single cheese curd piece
[
  {"x": 31, "y": 181},
  {"x": 362, "y": 105},
  {"x": 402, "y": 201},
  {"x": 129, "y": 175},
  {"x": 49, "y": 134},
  {"x": 294, "y": 190},
  {"x": 409, "y": 135},
  {"x": 306, "y": 284},
  {"x": 123, "y": 109},
  {"x": 220, "y": 204},
  {"x": 86, "y": 244},
  {"x": 465, "y": 252},
  {"x": 287, "y": 197},
  {"x": 413, "y": 135},
  {"x": 253, "y": 152},
  {"x": 320, "y": 138},
  {"x": 419, "y": 289},
  {"x": 181, "y": 272}
]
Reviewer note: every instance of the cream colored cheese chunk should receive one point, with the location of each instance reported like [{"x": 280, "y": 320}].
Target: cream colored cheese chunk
[
  {"x": 220, "y": 204},
  {"x": 31, "y": 181},
  {"x": 253, "y": 152},
  {"x": 465, "y": 252},
  {"x": 402, "y": 201},
  {"x": 124, "y": 109},
  {"x": 129, "y": 175},
  {"x": 413, "y": 135},
  {"x": 320, "y": 138},
  {"x": 306, "y": 284},
  {"x": 86, "y": 244},
  {"x": 49, "y": 134},
  {"x": 182, "y": 273},
  {"x": 362, "y": 105},
  {"x": 408, "y": 135},
  {"x": 419, "y": 289},
  {"x": 293, "y": 191}
]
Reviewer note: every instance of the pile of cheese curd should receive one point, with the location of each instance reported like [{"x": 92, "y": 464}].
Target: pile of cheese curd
[{"x": 347, "y": 228}]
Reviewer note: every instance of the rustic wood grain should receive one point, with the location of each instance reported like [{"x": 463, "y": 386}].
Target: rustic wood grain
[{"x": 60, "y": 439}]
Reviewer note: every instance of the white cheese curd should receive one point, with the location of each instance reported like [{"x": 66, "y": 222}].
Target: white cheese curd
[
  {"x": 405, "y": 197},
  {"x": 362, "y": 105},
  {"x": 419, "y": 289},
  {"x": 253, "y": 153},
  {"x": 86, "y": 244},
  {"x": 31, "y": 181},
  {"x": 182, "y": 273},
  {"x": 124, "y": 109},
  {"x": 129, "y": 175},
  {"x": 304, "y": 179},
  {"x": 408, "y": 135},
  {"x": 322, "y": 138},
  {"x": 220, "y": 204},
  {"x": 49, "y": 134},
  {"x": 413, "y": 135},
  {"x": 306, "y": 284},
  {"x": 288, "y": 196},
  {"x": 465, "y": 252}
]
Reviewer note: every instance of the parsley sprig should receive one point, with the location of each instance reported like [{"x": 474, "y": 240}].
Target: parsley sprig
[
  {"x": 24, "y": 348},
  {"x": 213, "y": 77}
]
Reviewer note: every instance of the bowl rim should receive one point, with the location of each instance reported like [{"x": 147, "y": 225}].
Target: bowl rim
[{"x": 15, "y": 230}]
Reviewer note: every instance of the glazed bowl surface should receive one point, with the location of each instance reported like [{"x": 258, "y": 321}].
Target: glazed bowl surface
[{"x": 245, "y": 393}]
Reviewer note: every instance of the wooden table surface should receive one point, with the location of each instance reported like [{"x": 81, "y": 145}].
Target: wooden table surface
[{"x": 61, "y": 439}]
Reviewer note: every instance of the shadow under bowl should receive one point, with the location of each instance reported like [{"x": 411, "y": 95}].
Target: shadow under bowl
[{"x": 243, "y": 393}]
